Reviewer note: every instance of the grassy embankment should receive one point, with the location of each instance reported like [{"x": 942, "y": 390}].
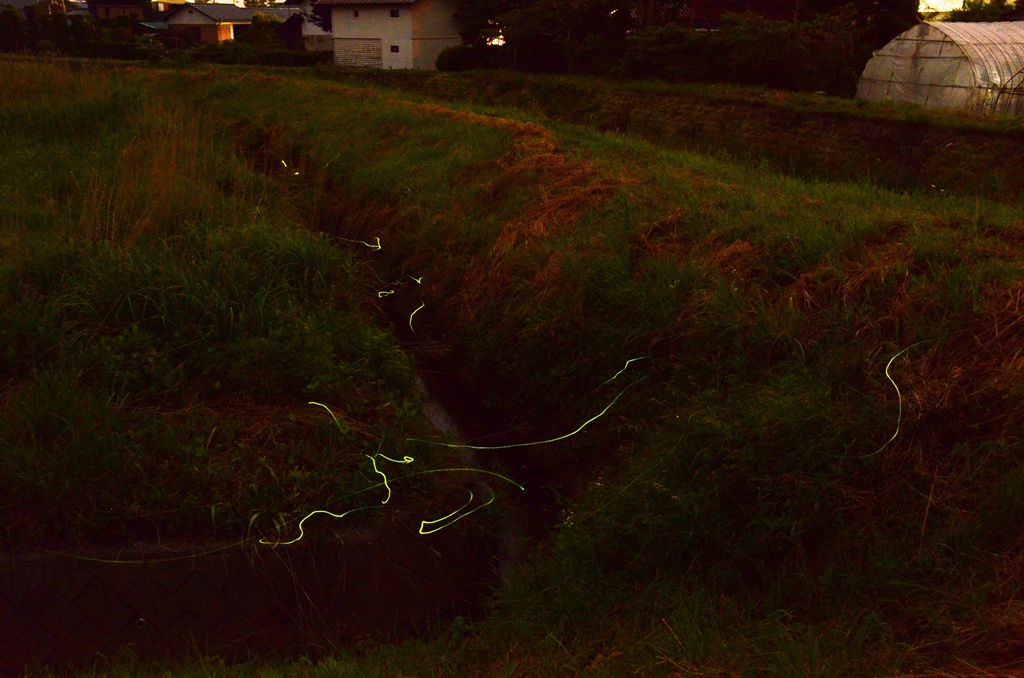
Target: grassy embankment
[
  {"x": 893, "y": 145},
  {"x": 761, "y": 498},
  {"x": 166, "y": 320}
]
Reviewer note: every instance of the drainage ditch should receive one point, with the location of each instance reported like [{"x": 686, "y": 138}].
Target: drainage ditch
[{"x": 238, "y": 601}]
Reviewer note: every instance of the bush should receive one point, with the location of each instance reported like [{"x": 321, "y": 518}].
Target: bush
[
  {"x": 816, "y": 55},
  {"x": 457, "y": 58},
  {"x": 12, "y": 30},
  {"x": 111, "y": 49},
  {"x": 46, "y": 47},
  {"x": 241, "y": 53},
  {"x": 294, "y": 57}
]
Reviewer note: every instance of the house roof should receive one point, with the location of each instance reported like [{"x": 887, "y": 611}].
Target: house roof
[
  {"x": 365, "y": 2},
  {"x": 222, "y": 13},
  {"x": 19, "y": 4}
]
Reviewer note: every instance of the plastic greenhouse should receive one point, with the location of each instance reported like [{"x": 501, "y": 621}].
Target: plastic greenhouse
[{"x": 974, "y": 66}]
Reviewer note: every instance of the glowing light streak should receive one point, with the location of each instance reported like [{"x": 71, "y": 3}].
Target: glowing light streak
[
  {"x": 309, "y": 515},
  {"x": 274, "y": 544},
  {"x": 459, "y": 446},
  {"x": 899, "y": 415},
  {"x": 410, "y": 475},
  {"x": 414, "y": 313},
  {"x": 401, "y": 281},
  {"x": 341, "y": 427},
  {"x": 376, "y": 246},
  {"x": 243, "y": 542},
  {"x": 385, "y": 293},
  {"x": 424, "y": 523},
  {"x": 631, "y": 360},
  {"x": 373, "y": 460}
]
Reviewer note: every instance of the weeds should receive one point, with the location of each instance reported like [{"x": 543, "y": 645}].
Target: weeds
[
  {"x": 745, "y": 507},
  {"x": 164, "y": 326}
]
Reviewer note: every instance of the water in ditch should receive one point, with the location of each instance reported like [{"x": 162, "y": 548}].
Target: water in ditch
[{"x": 386, "y": 581}]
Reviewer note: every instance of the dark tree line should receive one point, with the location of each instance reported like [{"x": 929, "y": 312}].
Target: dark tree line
[
  {"x": 802, "y": 44},
  {"x": 44, "y": 32}
]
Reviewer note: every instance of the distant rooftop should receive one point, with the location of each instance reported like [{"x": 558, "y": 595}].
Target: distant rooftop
[
  {"x": 223, "y": 13},
  {"x": 19, "y": 4},
  {"x": 364, "y": 2}
]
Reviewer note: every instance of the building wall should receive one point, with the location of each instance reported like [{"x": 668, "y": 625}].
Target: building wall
[
  {"x": 318, "y": 43},
  {"x": 357, "y": 52},
  {"x": 189, "y": 17},
  {"x": 215, "y": 33},
  {"x": 209, "y": 30},
  {"x": 355, "y": 37},
  {"x": 433, "y": 28},
  {"x": 311, "y": 29}
]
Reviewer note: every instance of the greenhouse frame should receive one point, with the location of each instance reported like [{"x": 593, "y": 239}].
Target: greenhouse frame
[{"x": 973, "y": 66}]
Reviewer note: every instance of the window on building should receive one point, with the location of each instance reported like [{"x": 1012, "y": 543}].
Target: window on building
[
  {"x": 394, "y": 14},
  {"x": 355, "y": 13},
  {"x": 394, "y": 48}
]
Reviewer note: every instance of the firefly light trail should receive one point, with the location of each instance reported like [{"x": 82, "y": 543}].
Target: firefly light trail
[
  {"x": 373, "y": 460},
  {"x": 899, "y": 414},
  {"x": 460, "y": 512},
  {"x": 459, "y": 446},
  {"x": 387, "y": 293},
  {"x": 631, "y": 360},
  {"x": 414, "y": 313},
  {"x": 424, "y": 523},
  {"x": 377, "y": 246}
]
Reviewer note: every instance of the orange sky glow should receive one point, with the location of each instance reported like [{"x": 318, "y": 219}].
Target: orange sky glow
[{"x": 940, "y": 5}]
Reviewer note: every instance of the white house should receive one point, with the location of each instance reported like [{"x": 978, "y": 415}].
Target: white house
[
  {"x": 216, "y": 22},
  {"x": 392, "y": 33},
  {"x": 313, "y": 37}
]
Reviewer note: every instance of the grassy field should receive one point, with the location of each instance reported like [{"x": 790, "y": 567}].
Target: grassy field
[
  {"x": 808, "y": 454},
  {"x": 168, "y": 315},
  {"x": 898, "y": 146}
]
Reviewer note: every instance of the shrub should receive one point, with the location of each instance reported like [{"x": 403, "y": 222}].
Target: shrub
[
  {"x": 241, "y": 53},
  {"x": 262, "y": 32},
  {"x": 122, "y": 34},
  {"x": 820, "y": 54},
  {"x": 457, "y": 58},
  {"x": 110, "y": 49},
  {"x": 294, "y": 57},
  {"x": 46, "y": 47},
  {"x": 12, "y": 30}
]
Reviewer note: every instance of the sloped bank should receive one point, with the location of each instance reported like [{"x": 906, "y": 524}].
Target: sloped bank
[
  {"x": 799, "y": 134},
  {"x": 731, "y": 339},
  {"x": 239, "y": 601},
  {"x": 164, "y": 477}
]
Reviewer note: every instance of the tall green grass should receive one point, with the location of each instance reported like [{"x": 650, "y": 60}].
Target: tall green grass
[
  {"x": 814, "y": 471},
  {"x": 748, "y": 462},
  {"x": 167, "y": 319},
  {"x": 899, "y": 146}
]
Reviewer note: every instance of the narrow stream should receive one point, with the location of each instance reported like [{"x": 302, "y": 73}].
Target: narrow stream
[
  {"x": 386, "y": 581},
  {"x": 514, "y": 536}
]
